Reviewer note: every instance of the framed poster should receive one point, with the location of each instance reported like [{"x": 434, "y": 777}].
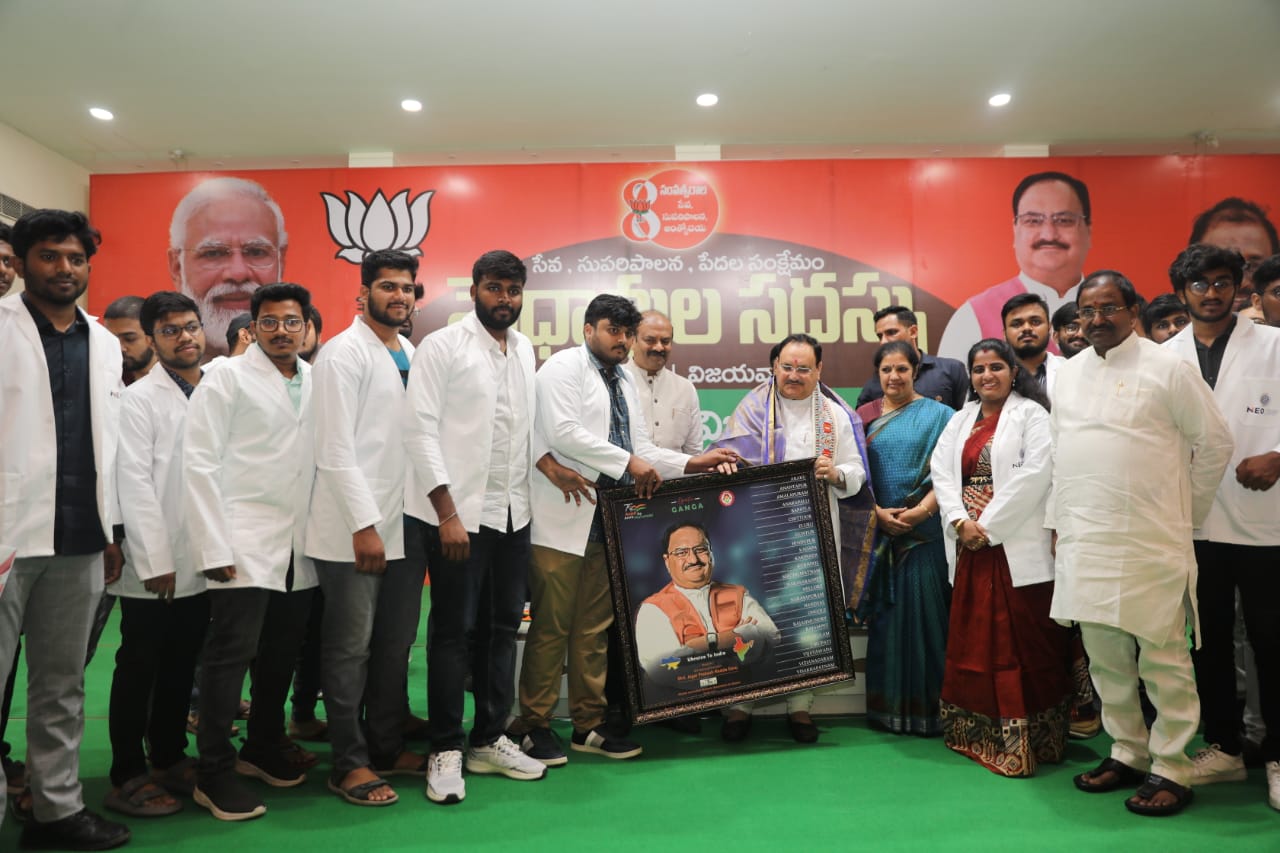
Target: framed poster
[{"x": 751, "y": 555}]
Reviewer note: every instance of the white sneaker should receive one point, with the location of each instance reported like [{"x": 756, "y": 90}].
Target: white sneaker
[
  {"x": 444, "y": 777},
  {"x": 503, "y": 756},
  {"x": 1273, "y": 784},
  {"x": 1213, "y": 765}
]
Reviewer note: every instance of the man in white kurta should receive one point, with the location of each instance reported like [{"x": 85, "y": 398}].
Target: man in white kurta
[
  {"x": 1139, "y": 448},
  {"x": 668, "y": 401},
  {"x": 1238, "y": 546}
]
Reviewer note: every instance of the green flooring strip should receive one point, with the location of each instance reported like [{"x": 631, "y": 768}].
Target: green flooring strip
[{"x": 855, "y": 789}]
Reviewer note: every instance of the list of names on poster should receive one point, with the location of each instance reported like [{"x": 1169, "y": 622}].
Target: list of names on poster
[{"x": 794, "y": 592}]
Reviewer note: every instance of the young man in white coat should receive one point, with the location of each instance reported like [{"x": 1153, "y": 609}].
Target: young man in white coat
[
  {"x": 250, "y": 466},
  {"x": 590, "y": 419},
  {"x": 1027, "y": 330},
  {"x": 163, "y": 607},
  {"x": 370, "y": 563},
  {"x": 1238, "y": 545},
  {"x": 61, "y": 390},
  {"x": 1139, "y": 448},
  {"x": 469, "y": 434}
]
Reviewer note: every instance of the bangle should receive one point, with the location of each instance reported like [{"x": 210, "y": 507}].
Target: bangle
[
  {"x": 957, "y": 524},
  {"x": 449, "y": 517}
]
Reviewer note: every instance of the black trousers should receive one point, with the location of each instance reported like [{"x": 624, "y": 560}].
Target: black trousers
[{"x": 151, "y": 689}]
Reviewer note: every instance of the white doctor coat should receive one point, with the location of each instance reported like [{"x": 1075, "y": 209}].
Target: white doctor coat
[
  {"x": 149, "y": 474},
  {"x": 358, "y": 399},
  {"x": 1248, "y": 393},
  {"x": 28, "y": 437},
  {"x": 250, "y": 467},
  {"x": 573, "y": 423},
  {"x": 1021, "y": 476}
]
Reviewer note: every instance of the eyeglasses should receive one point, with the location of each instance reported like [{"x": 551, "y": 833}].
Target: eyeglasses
[
  {"x": 1107, "y": 311},
  {"x": 1202, "y": 287},
  {"x": 270, "y": 324},
  {"x": 1063, "y": 219},
  {"x": 791, "y": 368},
  {"x": 697, "y": 550},
  {"x": 173, "y": 331},
  {"x": 213, "y": 256}
]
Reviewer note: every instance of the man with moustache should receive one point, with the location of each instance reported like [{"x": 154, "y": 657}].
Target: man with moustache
[
  {"x": 469, "y": 435},
  {"x": 163, "y": 606},
  {"x": 137, "y": 354},
  {"x": 589, "y": 417},
  {"x": 1266, "y": 290},
  {"x": 226, "y": 239},
  {"x": 1164, "y": 317},
  {"x": 1052, "y": 219},
  {"x": 1026, "y": 329},
  {"x": 1133, "y": 423},
  {"x": 8, "y": 274},
  {"x": 248, "y": 446},
  {"x": 1238, "y": 544},
  {"x": 1068, "y": 333},
  {"x": 61, "y": 389},
  {"x": 1235, "y": 223},
  {"x": 943, "y": 379},
  {"x": 668, "y": 401},
  {"x": 369, "y": 557}
]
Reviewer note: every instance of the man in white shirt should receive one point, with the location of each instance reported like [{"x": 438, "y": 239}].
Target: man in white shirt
[
  {"x": 163, "y": 606},
  {"x": 1238, "y": 545},
  {"x": 249, "y": 443},
  {"x": 1026, "y": 329},
  {"x": 370, "y": 566},
  {"x": 1139, "y": 449},
  {"x": 589, "y": 417},
  {"x": 668, "y": 401},
  {"x": 1052, "y": 219},
  {"x": 469, "y": 434},
  {"x": 61, "y": 392}
]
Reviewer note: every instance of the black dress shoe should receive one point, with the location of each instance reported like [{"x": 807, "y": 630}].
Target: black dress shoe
[
  {"x": 734, "y": 731},
  {"x": 802, "y": 732},
  {"x": 83, "y": 830}
]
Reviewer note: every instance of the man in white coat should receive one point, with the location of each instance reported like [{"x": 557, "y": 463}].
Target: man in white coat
[
  {"x": 250, "y": 466},
  {"x": 370, "y": 566},
  {"x": 1027, "y": 331},
  {"x": 469, "y": 434},
  {"x": 60, "y": 390},
  {"x": 1139, "y": 448},
  {"x": 163, "y": 606},
  {"x": 589, "y": 417},
  {"x": 1238, "y": 545}
]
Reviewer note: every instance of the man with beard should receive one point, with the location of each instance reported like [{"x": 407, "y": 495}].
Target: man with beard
[
  {"x": 370, "y": 563},
  {"x": 7, "y": 272},
  {"x": 669, "y": 401},
  {"x": 163, "y": 606},
  {"x": 589, "y": 417},
  {"x": 137, "y": 355},
  {"x": 1052, "y": 222},
  {"x": 1068, "y": 332},
  {"x": 226, "y": 240},
  {"x": 1133, "y": 425},
  {"x": 61, "y": 390},
  {"x": 1164, "y": 317},
  {"x": 1238, "y": 545},
  {"x": 469, "y": 436},
  {"x": 1266, "y": 290},
  {"x": 943, "y": 379},
  {"x": 1026, "y": 329}
]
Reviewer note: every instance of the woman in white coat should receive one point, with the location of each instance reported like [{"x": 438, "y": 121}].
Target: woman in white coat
[{"x": 1006, "y": 688}]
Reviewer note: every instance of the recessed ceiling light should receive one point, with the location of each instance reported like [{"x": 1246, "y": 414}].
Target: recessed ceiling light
[
  {"x": 409, "y": 105},
  {"x": 100, "y": 114},
  {"x": 1000, "y": 100},
  {"x": 708, "y": 100}
]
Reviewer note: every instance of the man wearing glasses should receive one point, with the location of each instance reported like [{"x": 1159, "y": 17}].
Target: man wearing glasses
[
  {"x": 249, "y": 454},
  {"x": 226, "y": 240},
  {"x": 1068, "y": 333},
  {"x": 1238, "y": 545},
  {"x": 1051, "y": 237},
  {"x": 1139, "y": 448}
]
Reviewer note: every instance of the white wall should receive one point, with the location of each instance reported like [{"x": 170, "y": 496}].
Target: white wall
[{"x": 39, "y": 177}]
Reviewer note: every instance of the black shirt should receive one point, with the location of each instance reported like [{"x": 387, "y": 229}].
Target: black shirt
[
  {"x": 77, "y": 529},
  {"x": 1211, "y": 356},
  {"x": 943, "y": 379}
]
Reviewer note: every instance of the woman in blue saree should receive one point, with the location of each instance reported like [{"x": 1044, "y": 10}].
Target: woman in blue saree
[{"x": 908, "y": 598}]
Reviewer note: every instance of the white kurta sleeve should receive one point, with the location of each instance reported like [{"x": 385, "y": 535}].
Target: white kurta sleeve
[
  {"x": 655, "y": 638},
  {"x": 848, "y": 460},
  {"x": 692, "y": 443}
]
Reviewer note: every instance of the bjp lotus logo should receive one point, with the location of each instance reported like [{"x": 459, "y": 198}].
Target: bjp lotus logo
[{"x": 360, "y": 227}]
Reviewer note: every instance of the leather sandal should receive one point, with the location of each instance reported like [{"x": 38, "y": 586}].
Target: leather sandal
[
  {"x": 1123, "y": 776},
  {"x": 1154, "y": 785},
  {"x": 358, "y": 795}
]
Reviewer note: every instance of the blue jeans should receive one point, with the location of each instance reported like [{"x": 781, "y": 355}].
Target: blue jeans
[
  {"x": 370, "y": 621},
  {"x": 476, "y": 607}
]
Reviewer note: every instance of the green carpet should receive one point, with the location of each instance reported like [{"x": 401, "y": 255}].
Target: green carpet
[{"x": 856, "y": 788}]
